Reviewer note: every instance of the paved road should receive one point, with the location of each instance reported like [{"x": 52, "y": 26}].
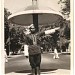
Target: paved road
[{"x": 20, "y": 64}]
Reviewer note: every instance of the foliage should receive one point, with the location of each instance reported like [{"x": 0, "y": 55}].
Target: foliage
[
  {"x": 6, "y": 14},
  {"x": 66, "y": 8},
  {"x": 6, "y": 25}
]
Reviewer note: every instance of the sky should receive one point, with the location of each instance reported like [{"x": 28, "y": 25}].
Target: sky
[{"x": 16, "y": 5}]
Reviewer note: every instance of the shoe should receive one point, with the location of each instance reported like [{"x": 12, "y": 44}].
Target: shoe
[
  {"x": 57, "y": 58},
  {"x": 26, "y": 56}
]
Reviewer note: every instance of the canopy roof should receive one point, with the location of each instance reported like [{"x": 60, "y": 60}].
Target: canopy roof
[{"x": 25, "y": 16}]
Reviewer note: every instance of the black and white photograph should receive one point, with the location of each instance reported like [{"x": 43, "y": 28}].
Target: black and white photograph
[{"x": 37, "y": 37}]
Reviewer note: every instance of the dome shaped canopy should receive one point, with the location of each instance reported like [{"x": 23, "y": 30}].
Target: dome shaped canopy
[{"x": 25, "y": 17}]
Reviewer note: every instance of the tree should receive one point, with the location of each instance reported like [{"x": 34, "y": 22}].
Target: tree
[
  {"x": 6, "y": 28},
  {"x": 65, "y": 6},
  {"x": 6, "y": 25},
  {"x": 6, "y": 14}
]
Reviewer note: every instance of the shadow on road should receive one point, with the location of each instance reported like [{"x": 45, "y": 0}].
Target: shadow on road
[{"x": 28, "y": 71}]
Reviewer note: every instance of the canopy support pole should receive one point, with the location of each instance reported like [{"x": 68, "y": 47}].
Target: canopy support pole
[{"x": 35, "y": 22}]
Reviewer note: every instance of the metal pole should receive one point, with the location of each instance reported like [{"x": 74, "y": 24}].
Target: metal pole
[
  {"x": 35, "y": 16},
  {"x": 35, "y": 22}
]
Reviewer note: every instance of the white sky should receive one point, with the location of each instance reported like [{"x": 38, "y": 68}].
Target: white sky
[{"x": 15, "y": 5}]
